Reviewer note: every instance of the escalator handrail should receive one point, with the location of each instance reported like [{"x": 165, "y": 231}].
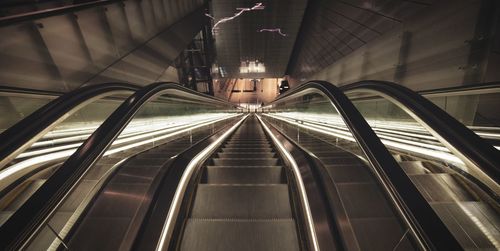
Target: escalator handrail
[
  {"x": 18, "y": 230},
  {"x": 19, "y": 137},
  {"x": 425, "y": 225},
  {"x": 462, "y": 141}
]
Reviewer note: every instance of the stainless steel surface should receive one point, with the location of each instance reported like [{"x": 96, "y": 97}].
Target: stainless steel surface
[
  {"x": 208, "y": 234},
  {"x": 472, "y": 221},
  {"x": 109, "y": 218},
  {"x": 242, "y": 202},
  {"x": 244, "y": 175},
  {"x": 375, "y": 224}
]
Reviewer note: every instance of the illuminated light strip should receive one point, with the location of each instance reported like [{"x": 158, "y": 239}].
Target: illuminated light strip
[
  {"x": 275, "y": 30},
  {"x": 122, "y": 139},
  {"x": 439, "y": 155},
  {"x": 410, "y": 134},
  {"x": 257, "y": 6},
  {"x": 19, "y": 169},
  {"x": 48, "y": 150},
  {"x": 376, "y": 127},
  {"x": 387, "y": 141},
  {"x": 400, "y": 127},
  {"x": 382, "y": 136},
  {"x": 135, "y": 125},
  {"x": 299, "y": 181},
  {"x": 166, "y": 136},
  {"x": 488, "y": 135},
  {"x": 132, "y": 128},
  {"x": 435, "y": 145},
  {"x": 210, "y": 16},
  {"x": 173, "y": 211}
]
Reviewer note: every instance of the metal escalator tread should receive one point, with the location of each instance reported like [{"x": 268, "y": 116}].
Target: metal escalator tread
[
  {"x": 206, "y": 234},
  {"x": 373, "y": 222},
  {"x": 114, "y": 209},
  {"x": 472, "y": 221},
  {"x": 244, "y": 175},
  {"x": 242, "y": 201},
  {"x": 249, "y": 201}
]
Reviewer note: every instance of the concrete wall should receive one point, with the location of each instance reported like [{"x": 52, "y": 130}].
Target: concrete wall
[
  {"x": 433, "y": 49},
  {"x": 131, "y": 41},
  {"x": 452, "y": 43}
]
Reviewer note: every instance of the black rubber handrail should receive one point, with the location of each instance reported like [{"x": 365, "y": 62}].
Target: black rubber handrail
[
  {"x": 34, "y": 213},
  {"x": 21, "y": 135},
  {"x": 466, "y": 144},
  {"x": 150, "y": 232},
  {"x": 329, "y": 196},
  {"x": 424, "y": 223}
]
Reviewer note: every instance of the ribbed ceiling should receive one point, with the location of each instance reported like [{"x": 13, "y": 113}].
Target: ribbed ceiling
[
  {"x": 239, "y": 40},
  {"x": 333, "y": 29}
]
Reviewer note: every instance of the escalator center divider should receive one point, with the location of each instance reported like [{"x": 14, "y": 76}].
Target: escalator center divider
[
  {"x": 150, "y": 232},
  {"x": 143, "y": 168}
]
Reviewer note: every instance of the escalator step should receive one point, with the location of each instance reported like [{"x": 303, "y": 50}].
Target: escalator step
[
  {"x": 245, "y": 161},
  {"x": 244, "y": 175},
  {"x": 470, "y": 232},
  {"x": 242, "y": 201},
  {"x": 251, "y": 141},
  {"x": 155, "y": 155},
  {"x": 235, "y": 149},
  {"x": 247, "y": 155},
  {"x": 245, "y": 145},
  {"x": 240, "y": 235}
]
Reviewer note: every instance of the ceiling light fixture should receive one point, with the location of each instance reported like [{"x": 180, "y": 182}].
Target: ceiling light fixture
[
  {"x": 252, "y": 67},
  {"x": 257, "y": 6},
  {"x": 275, "y": 30}
]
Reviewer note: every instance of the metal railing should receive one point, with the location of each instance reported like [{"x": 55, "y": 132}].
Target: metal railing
[
  {"x": 36, "y": 211},
  {"x": 463, "y": 142},
  {"x": 19, "y": 137},
  {"x": 424, "y": 224}
]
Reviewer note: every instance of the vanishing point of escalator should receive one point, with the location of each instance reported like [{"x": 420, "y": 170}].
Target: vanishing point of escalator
[{"x": 242, "y": 200}]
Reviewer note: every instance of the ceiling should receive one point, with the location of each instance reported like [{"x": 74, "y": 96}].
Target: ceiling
[
  {"x": 333, "y": 29},
  {"x": 240, "y": 40}
]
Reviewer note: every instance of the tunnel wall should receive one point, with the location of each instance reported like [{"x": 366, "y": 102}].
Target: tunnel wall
[
  {"x": 131, "y": 41},
  {"x": 442, "y": 46}
]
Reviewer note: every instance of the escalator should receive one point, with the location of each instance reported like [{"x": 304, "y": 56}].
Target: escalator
[
  {"x": 243, "y": 195},
  {"x": 114, "y": 212},
  {"x": 454, "y": 200},
  {"x": 242, "y": 200},
  {"x": 374, "y": 223}
]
